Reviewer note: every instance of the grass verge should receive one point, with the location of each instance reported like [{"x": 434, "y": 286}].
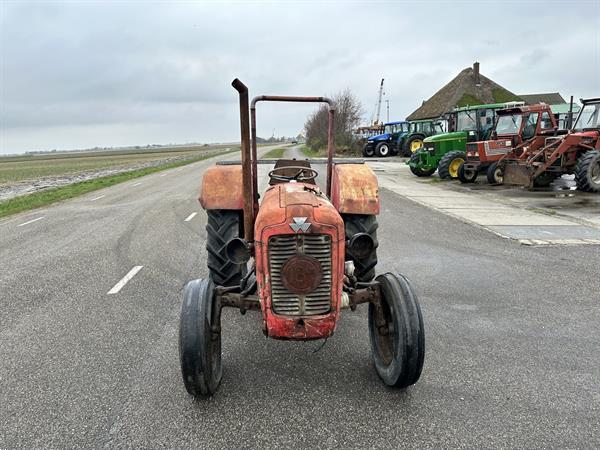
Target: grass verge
[
  {"x": 274, "y": 154},
  {"x": 309, "y": 153},
  {"x": 53, "y": 195}
]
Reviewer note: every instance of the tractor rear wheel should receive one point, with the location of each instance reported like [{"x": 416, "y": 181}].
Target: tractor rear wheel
[
  {"x": 412, "y": 144},
  {"x": 495, "y": 174},
  {"x": 223, "y": 225},
  {"x": 383, "y": 149},
  {"x": 364, "y": 267},
  {"x": 466, "y": 176},
  {"x": 396, "y": 332},
  {"x": 449, "y": 164},
  {"x": 200, "y": 339},
  {"x": 587, "y": 171}
]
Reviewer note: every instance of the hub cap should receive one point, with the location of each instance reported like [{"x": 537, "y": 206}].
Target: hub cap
[
  {"x": 416, "y": 145},
  {"x": 454, "y": 165}
]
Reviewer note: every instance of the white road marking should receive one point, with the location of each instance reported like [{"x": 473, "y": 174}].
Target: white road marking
[
  {"x": 137, "y": 184},
  {"x": 97, "y": 198},
  {"x": 30, "y": 221},
  {"x": 163, "y": 174},
  {"x": 117, "y": 287},
  {"x": 179, "y": 170},
  {"x": 190, "y": 217}
]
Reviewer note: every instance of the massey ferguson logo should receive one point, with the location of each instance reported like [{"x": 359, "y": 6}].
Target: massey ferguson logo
[{"x": 300, "y": 225}]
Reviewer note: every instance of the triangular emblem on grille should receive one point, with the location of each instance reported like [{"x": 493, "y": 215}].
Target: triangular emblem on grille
[{"x": 300, "y": 225}]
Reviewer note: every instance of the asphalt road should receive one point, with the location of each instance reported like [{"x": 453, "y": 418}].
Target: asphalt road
[{"x": 512, "y": 336}]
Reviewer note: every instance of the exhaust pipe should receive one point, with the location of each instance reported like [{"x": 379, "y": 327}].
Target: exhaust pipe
[{"x": 246, "y": 162}]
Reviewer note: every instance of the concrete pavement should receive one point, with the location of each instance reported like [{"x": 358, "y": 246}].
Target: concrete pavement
[{"x": 512, "y": 337}]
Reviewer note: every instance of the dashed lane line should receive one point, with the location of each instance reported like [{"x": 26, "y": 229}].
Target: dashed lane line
[
  {"x": 136, "y": 184},
  {"x": 190, "y": 217},
  {"x": 30, "y": 221},
  {"x": 117, "y": 287},
  {"x": 98, "y": 198}
]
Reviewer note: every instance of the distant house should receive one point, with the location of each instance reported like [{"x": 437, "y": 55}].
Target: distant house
[{"x": 469, "y": 87}]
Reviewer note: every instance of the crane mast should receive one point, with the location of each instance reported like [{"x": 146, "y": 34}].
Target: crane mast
[{"x": 379, "y": 103}]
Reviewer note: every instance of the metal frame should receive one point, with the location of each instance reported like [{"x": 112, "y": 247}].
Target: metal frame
[{"x": 249, "y": 155}]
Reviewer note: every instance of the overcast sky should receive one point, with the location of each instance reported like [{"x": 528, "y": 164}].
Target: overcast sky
[{"x": 85, "y": 74}]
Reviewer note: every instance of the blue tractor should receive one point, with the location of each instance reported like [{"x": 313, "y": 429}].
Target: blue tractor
[{"x": 388, "y": 143}]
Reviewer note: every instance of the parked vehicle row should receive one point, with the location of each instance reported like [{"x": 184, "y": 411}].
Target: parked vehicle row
[
  {"x": 524, "y": 147},
  {"x": 402, "y": 138}
]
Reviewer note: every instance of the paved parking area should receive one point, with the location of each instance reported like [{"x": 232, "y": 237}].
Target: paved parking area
[{"x": 557, "y": 215}]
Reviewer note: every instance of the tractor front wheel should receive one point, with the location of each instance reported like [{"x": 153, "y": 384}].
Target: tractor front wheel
[
  {"x": 449, "y": 164},
  {"x": 396, "y": 332},
  {"x": 200, "y": 339},
  {"x": 587, "y": 171},
  {"x": 495, "y": 174},
  {"x": 544, "y": 180},
  {"x": 368, "y": 151},
  {"x": 466, "y": 175},
  {"x": 364, "y": 265},
  {"x": 383, "y": 149}
]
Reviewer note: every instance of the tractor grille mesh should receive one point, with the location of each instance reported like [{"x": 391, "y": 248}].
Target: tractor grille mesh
[{"x": 283, "y": 247}]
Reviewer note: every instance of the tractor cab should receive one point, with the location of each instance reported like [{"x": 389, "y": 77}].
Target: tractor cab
[
  {"x": 513, "y": 127},
  {"x": 386, "y": 144}
]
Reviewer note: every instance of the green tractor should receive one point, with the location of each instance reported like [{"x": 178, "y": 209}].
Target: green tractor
[
  {"x": 419, "y": 130},
  {"x": 446, "y": 152}
]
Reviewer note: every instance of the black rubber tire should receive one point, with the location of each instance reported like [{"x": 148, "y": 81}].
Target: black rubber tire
[
  {"x": 364, "y": 268},
  {"x": 544, "y": 180},
  {"x": 200, "y": 339},
  {"x": 421, "y": 172},
  {"x": 223, "y": 225},
  {"x": 418, "y": 171},
  {"x": 368, "y": 151},
  {"x": 444, "y": 165},
  {"x": 398, "y": 355},
  {"x": 408, "y": 142},
  {"x": 383, "y": 149},
  {"x": 466, "y": 176},
  {"x": 586, "y": 169},
  {"x": 494, "y": 174}
]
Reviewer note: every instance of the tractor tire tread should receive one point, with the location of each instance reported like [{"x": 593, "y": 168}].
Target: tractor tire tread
[{"x": 222, "y": 226}]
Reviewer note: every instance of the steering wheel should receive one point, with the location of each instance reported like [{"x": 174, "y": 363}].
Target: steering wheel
[{"x": 300, "y": 176}]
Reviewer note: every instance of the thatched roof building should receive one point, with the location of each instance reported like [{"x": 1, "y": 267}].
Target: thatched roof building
[
  {"x": 469, "y": 87},
  {"x": 550, "y": 98}
]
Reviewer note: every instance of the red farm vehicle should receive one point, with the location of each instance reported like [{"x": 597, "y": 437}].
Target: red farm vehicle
[
  {"x": 577, "y": 152},
  {"x": 513, "y": 127},
  {"x": 298, "y": 257}
]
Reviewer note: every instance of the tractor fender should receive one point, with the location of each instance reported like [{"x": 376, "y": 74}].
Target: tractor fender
[
  {"x": 354, "y": 189},
  {"x": 222, "y": 188}
]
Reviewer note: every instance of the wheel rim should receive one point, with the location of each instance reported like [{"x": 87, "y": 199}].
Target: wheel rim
[
  {"x": 386, "y": 343},
  {"x": 416, "y": 145},
  {"x": 498, "y": 176},
  {"x": 470, "y": 174},
  {"x": 384, "y": 149},
  {"x": 454, "y": 166},
  {"x": 596, "y": 172}
]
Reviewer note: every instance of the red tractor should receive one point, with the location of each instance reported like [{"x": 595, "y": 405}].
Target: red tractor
[
  {"x": 298, "y": 257},
  {"x": 577, "y": 152},
  {"x": 513, "y": 127}
]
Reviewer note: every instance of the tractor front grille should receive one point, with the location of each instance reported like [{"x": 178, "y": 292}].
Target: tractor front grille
[{"x": 283, "y": 247}]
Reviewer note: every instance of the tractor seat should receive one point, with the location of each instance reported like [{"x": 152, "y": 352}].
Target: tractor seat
[{"x": 290, "y": 172}]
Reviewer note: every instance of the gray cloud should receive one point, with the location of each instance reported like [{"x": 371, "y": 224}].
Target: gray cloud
[{"x": 86, "y": 74}]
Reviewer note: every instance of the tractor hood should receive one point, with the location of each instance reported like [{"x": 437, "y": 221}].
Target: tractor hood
[
  {"x": 379, "y": 137},
  {"x": 446, "y": 137}
]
